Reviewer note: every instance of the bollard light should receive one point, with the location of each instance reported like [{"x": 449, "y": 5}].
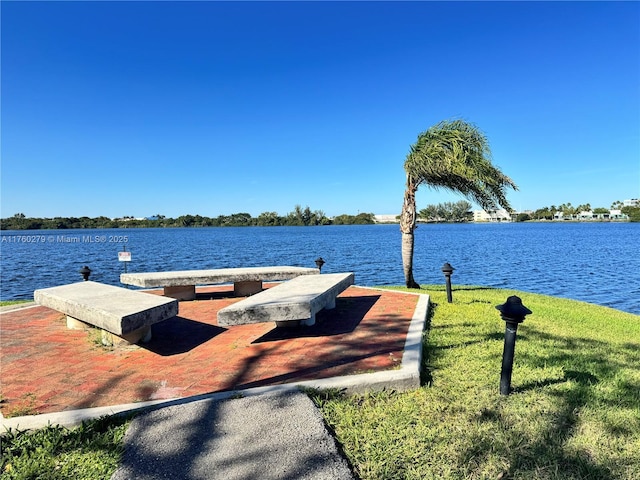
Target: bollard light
[
  {"x": 85, "y": 272},
  {"x": 447, "y": 269},
  {"x": 319, "y": 263},
  {"x": 513, "y": 313}
]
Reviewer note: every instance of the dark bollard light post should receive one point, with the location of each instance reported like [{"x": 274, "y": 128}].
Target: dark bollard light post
[
  {"x": 447, "y": 269},
  {"x": 319, "y": 263},
  {"x": 85, "y": 272},
  {"x": 512, "y": 312}
]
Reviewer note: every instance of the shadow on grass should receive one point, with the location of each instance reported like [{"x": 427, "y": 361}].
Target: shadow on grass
[
  {"x": 575, "y": 375},
  {"x": 426, "y": 368},
  {"x": 499, "y": 337},
  {"x": 583, "y": 378},
  {"x": 454, "y": 288},
  {"x": 580, "y": 354},
  {"x": 587, "y": 364},
  {"x": 548, "y": 450},
  {"x": 530, "y": 457}
]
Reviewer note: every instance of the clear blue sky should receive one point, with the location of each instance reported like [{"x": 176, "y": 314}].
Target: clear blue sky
[{"x": 211, "y": 108}]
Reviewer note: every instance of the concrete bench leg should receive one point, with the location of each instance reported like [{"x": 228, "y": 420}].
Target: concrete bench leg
[
  {"x": 186, "y": 292},
  {"x": 309, "y": 321},
  {"x": 247, "y": 287},
  {"x": 141, "y": 335},
  {"x": 75, "y": 324},
  {"x": 295, "y": 323}
]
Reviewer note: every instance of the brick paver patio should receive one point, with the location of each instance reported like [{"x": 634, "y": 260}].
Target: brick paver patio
[{"x": 44, "y": 367}]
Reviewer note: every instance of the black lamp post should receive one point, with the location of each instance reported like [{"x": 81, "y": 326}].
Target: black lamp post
[
  {"x": 512, "y": 312},
  {"x": 447, "y": 269},
  {"x": 319, "y": 263},
  {"x": 85, "y": 272}
]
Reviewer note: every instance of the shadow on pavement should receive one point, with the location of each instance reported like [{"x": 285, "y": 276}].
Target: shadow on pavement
[
  {"x": 180, "y": 335},
  {"x": 347, "y": 315}
]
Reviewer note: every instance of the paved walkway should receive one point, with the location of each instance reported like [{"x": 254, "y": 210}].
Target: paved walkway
[
  {"x": 276, "y": 436},
  {"x": 47, "y": 368}
]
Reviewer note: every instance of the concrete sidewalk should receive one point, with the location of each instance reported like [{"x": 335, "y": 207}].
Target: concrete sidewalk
[{"x": 279, "y": 435}]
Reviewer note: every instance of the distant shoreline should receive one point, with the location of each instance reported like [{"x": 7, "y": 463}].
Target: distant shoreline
[{"x": 171, "y": 227}]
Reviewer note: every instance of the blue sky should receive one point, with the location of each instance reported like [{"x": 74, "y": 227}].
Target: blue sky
[{"x": 213, "y": 108}]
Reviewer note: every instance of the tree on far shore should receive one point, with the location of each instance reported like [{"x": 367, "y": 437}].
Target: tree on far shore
[{"x": 447, "y": 212}]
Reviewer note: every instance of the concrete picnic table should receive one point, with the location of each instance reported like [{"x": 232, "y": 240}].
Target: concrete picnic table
[{"x": 182, "y": 284}]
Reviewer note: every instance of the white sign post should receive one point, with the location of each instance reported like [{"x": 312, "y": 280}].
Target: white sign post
[{"x": 124, "y": 256}]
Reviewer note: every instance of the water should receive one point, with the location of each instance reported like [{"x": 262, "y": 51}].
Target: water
[{"x": 593, "y": 262}]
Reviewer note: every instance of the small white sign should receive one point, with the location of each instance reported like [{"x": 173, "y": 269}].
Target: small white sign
[{"x": 124, "y": 256}]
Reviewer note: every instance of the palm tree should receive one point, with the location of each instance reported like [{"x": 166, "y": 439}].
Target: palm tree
[{"x": 455, "y": 155}]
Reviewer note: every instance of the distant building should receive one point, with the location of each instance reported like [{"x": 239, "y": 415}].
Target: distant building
[
  {"x": 128, "y": 219},
  {"x": 617, "y": 215},
  {"x": 390, "y": 218},
  {"x": 633, "y": 202},
  {"x": 584, "y": 215},
  {"x": 491, "y": 216},
  {"x": 589, "y": 216}
]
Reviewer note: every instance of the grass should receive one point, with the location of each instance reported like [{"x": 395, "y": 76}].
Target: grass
[
  {"x": 4, "y": 303},
  {"x": 574, "y": 412},
  {"x": 90, "y": 451}
]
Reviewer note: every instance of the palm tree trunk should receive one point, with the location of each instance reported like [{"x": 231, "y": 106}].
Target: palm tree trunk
[{"x": 407, "y": 226}]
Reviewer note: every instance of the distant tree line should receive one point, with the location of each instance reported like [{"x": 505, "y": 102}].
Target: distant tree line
[
  {"x": 447, "y": 212},
  {"x": 442, "y": 212},
  {"x": 633, "y": 212},
  {"x": 298, "y": 217}
]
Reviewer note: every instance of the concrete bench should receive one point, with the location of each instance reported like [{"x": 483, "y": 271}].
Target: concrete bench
[
  {"x": 115, "y": 310},
  {"x": 182, "y": 284},
  {"x": 295, "y": 302}
]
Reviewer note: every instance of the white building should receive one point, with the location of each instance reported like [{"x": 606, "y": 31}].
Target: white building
[
  {"x": 387, "y": 218},
  {"x": 617, "y": 215},
  {"x": 491, "y": 216},
  {"x": 589, "y": 216}
]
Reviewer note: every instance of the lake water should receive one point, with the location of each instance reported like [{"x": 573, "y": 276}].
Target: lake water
[{"x": 593, "y": 262}]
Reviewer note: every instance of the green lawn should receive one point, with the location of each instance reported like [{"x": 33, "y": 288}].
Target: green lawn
[
  {"x": 574, "y": 412},
  {"x": 4, "y": 303},
  {"x": 88, "y": 452}
]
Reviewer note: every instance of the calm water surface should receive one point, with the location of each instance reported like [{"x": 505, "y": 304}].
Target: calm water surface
[{"x": 593, "y": 262}]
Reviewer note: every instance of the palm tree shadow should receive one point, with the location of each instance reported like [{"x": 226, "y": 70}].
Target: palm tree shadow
[
  {"x": 345, "y": 318},
  {"x": 180, "y": 335}
]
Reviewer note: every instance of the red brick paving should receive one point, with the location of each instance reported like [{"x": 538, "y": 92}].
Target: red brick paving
[{"x": 48, "y": 368}]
